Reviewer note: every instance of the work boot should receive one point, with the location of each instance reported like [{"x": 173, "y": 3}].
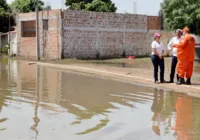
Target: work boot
[
  {"x": 177, "y": 77},
  {"x": 163, "y": 81},
  {"x": 188, "y": 82},
  {"x": 180, "y": 81}
]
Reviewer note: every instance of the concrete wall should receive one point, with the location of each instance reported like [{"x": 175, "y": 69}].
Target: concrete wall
[
  {"x": 50, "y": 40},
  {"x": 13, "y": 43}
]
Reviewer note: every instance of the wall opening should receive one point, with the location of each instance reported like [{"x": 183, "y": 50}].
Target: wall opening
[
  {"x": 45, "y": 24},
  {"x": 28, "y": 28}
]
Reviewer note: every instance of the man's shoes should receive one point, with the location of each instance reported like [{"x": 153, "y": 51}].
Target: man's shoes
[
  {"x": 156, "y": 82},
  {"x": 171, "y": 81},
  {"x": 163, "y": 81},
  {"x": 180, "y": 81},
  {"x": 177, "y": 77},
  {"x": 188, "y": 82}
]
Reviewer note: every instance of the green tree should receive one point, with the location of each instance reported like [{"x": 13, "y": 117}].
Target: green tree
[
  {"x": 47, "y": 7},
  {"x": 3, "y": 8},
  {"x": 4, "y": 16},
  {"x": 92, "y": 5},
  {"x": 25, "y": 6},
  {"x": 181, "y": 13},
  {"x": 101, "y": 6}
]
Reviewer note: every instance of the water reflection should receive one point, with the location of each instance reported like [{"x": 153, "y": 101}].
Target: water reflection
[
  {"x": 157, "y": 107},
  {"x": 36, "y": 118},
  {"x": 183, "y": 125},
  {"x": 53, "y": 104}
]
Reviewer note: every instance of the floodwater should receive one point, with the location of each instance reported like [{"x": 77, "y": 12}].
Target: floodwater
[{"x": 41, "y": 103}]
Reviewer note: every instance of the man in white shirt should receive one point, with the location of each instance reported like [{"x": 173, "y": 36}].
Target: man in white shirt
[{"x": 174, "y": 40}]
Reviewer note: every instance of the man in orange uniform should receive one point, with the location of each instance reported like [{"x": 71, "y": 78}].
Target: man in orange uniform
[{"x": 185, "y": 55}]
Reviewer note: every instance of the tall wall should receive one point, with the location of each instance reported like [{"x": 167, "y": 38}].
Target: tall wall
[
  {"x": 50, "y": 38},
  {"x": 87, "y": 34},
  {"x": 93, "y": 34}
]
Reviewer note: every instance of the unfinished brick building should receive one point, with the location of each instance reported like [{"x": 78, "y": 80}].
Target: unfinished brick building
[
  {"x": 77, "y": 34},
  {"x": 50, "y": 34}
]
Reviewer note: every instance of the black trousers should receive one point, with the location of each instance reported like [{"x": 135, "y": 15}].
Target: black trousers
[
  {"x": 173, "y": 67},
  {"x": 158, "y": 62}
]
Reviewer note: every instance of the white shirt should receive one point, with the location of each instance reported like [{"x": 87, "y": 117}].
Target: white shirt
[
  {"x": 174, "y": 40},
  {"x": 159, "y": 47}
]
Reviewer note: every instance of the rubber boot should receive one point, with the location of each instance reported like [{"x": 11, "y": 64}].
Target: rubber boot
[
  {"x": 180, "y": 81},
  {"x": 188, "y": 82},
  {"x": 177, "y": 77}
]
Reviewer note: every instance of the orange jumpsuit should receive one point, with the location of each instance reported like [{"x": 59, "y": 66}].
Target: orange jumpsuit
[
  {"x": 185, "y": 55},
  {"x": 184, "y": 118}
]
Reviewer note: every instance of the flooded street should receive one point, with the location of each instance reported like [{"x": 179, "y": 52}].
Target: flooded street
[{"x": 41, "y": 103}]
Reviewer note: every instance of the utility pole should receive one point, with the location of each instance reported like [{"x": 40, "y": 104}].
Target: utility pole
[
  {"x": 134, "y": 6},
  {"x": 37, "y": 32},
  {"x": 62, "y": 4},
  {"x": 9, "y": 36}
]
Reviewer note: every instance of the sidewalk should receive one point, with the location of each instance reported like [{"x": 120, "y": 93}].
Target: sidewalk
[{"x": 142, "y": 75}]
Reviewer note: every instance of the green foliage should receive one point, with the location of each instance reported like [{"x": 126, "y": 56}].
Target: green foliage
[
  {"x": 4, "y": 16},
  {"x": 3, "y": 8},
  {"x": 25, "y": 6},
  {"x": 101, "y": 6},
  {"x": 181, "y": 13},
  {"x": 92, "y": 5},
  {"x": 47, "y": 7}
]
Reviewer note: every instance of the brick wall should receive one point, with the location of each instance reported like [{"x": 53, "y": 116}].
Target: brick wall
[
  {"x": 88, "y": 34},
  {"x": 50, "y": 40},
  {"x": 104, "y": 35},
  {"x": 153, "y": 23}
]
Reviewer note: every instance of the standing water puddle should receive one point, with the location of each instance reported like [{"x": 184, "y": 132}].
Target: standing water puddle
[{"x": 40, "y": 103}]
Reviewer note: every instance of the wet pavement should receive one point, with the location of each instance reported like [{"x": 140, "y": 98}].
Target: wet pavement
[{"x": 41, "y": 103}]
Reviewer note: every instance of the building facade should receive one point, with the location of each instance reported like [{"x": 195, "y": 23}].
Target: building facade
[{"x": 86, "y": 35}]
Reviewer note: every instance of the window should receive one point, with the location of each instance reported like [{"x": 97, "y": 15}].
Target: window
[{"x": 28, "y": 28}]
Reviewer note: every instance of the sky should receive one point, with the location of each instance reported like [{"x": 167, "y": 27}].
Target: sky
[{"x": 147, "y": 7}]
